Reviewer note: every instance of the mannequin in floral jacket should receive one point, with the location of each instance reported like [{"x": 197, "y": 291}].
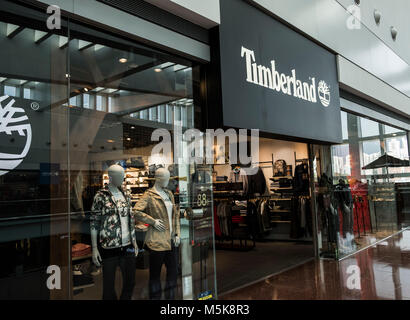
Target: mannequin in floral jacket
[{"x": 113, "y": 235}]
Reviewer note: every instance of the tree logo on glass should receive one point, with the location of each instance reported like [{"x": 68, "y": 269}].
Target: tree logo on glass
[
  {"x": 324, "y": 93},
  {"x": 15, "y": 135}
]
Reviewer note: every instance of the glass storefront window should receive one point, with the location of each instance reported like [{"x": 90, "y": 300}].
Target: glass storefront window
[
  {"x": 344, "y": 125},
  {"x": 92, "y": 120},
  {"x": 371, "y": 150},
  {"x": 34, "y": 220},
  {"x": 368, "y": 128},
  {"x": 364, "y": 197}
]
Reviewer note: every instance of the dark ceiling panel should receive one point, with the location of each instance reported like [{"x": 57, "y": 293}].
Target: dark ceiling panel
[{"x": 161, "y": 17}]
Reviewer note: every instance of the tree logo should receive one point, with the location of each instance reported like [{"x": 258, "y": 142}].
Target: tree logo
[
  {"x": 324, "y": 93},
  {"x": 12, "y": 127}
]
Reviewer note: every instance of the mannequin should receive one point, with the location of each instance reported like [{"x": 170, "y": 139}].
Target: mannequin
[
  {"x": 113, "y": 235},
  {"x": 157, "y": 208}
]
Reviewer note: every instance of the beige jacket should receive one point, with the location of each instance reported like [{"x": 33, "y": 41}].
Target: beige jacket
[{"x": 151, "y": 207}]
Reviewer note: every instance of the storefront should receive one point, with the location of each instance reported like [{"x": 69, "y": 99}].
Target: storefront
[
  {"x": 83, "y": 102},
  {"x": 275, "y": 80},
  {"x": 313, "y": 196}
]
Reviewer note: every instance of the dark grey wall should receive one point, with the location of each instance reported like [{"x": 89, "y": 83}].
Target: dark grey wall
[{"x": 247, "y": 105}]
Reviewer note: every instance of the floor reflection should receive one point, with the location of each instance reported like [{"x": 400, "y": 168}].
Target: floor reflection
[{"x": 380, "y": 272}]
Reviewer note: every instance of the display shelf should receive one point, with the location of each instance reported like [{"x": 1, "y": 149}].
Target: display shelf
[
  {"x": 282, "y": 199},
  {"x": 281, "y": 210},
  {"x": 136, "y": 185},
  {"x": 84, "y": 286},
  {"x": 282, "y": 177},
  {"x": 285, "y": 188},
  {"x": 280, "y": 221}
]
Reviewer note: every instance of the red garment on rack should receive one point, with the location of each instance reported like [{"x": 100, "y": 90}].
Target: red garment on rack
[{"x": 361, "y": 211}]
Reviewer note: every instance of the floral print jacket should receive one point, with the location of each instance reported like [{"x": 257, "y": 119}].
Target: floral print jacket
[{"x": 105, "y": 218}]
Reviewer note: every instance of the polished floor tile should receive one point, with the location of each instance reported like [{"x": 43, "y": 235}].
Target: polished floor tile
[{"x": 381, "y": 272}]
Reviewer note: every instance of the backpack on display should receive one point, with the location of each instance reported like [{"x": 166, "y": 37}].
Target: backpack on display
[{"x": 279, "y": 168}]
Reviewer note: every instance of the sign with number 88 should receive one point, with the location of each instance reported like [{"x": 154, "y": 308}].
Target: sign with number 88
[{"x": 202, "y": 200}]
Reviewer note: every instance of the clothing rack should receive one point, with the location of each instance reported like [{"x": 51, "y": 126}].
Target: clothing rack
[
  {"x": 227, "y": 242},
  {"x": 300, "y": 160},
  {"x": 271, "y": 162}
]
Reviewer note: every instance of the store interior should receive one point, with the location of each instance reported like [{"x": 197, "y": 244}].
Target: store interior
[{"x": 263, "y": 222}]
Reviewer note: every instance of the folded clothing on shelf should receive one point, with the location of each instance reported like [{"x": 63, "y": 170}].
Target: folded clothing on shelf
[
  {"x": 80, "y": 250},
  {"x": 285, "y": 183},
  {"x": 238, "y": 219}
]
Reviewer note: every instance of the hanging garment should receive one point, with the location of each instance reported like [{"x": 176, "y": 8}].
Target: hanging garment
[
  {"x": 302, "y": 213},
  {"x": 301, "y": 178},
  {"x": 257, "y": 183},
  {"x": 264, "y": 216},
  {"x": 239, "y": 175},
  {"x": 309, "y": 217},
  {"x": 344, "y": 200},
  {"x": 218, "y": 232}
]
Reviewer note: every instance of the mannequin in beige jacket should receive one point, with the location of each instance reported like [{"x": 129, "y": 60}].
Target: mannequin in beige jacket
[{"x": 157, "y": 208}]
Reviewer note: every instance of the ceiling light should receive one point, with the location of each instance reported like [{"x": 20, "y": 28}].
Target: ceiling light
[
  {"x": 128, "y": 139},
  {"x": 123, "y": 60},
  {"x": 157, "y": 70},
  {"x": 86, "y": 89},
  {"x": 133, "y": 127},
  {"x": 110, "y": 141}
]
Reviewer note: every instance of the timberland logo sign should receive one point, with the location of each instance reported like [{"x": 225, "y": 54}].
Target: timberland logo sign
[
  {"x": 272, "y": 79},
  {"x": 15, "y": 134}
]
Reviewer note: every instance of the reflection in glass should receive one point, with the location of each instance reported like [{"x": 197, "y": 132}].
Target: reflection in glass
[
  {"x": 357, "y": 206},
  {"x": 368, "y": 128}
]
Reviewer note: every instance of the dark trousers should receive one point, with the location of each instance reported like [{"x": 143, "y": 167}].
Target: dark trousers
[
  {"x": 156, "y": 260},
  {"x": 125, "y": 259}
]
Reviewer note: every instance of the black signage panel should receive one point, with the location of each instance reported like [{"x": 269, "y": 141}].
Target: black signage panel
[{"x": 274, "y": 79}]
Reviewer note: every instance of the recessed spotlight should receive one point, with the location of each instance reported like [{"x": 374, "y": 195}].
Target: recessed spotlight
[
  {"x": 394, "y": 33},
  {"x": 157, "y": 70},
  {"x": 128, "y": 139},
  {"x": 86, "y": 89},
  {"x": 132, "y": 127},
  {"x": 123, "y": 60}
]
